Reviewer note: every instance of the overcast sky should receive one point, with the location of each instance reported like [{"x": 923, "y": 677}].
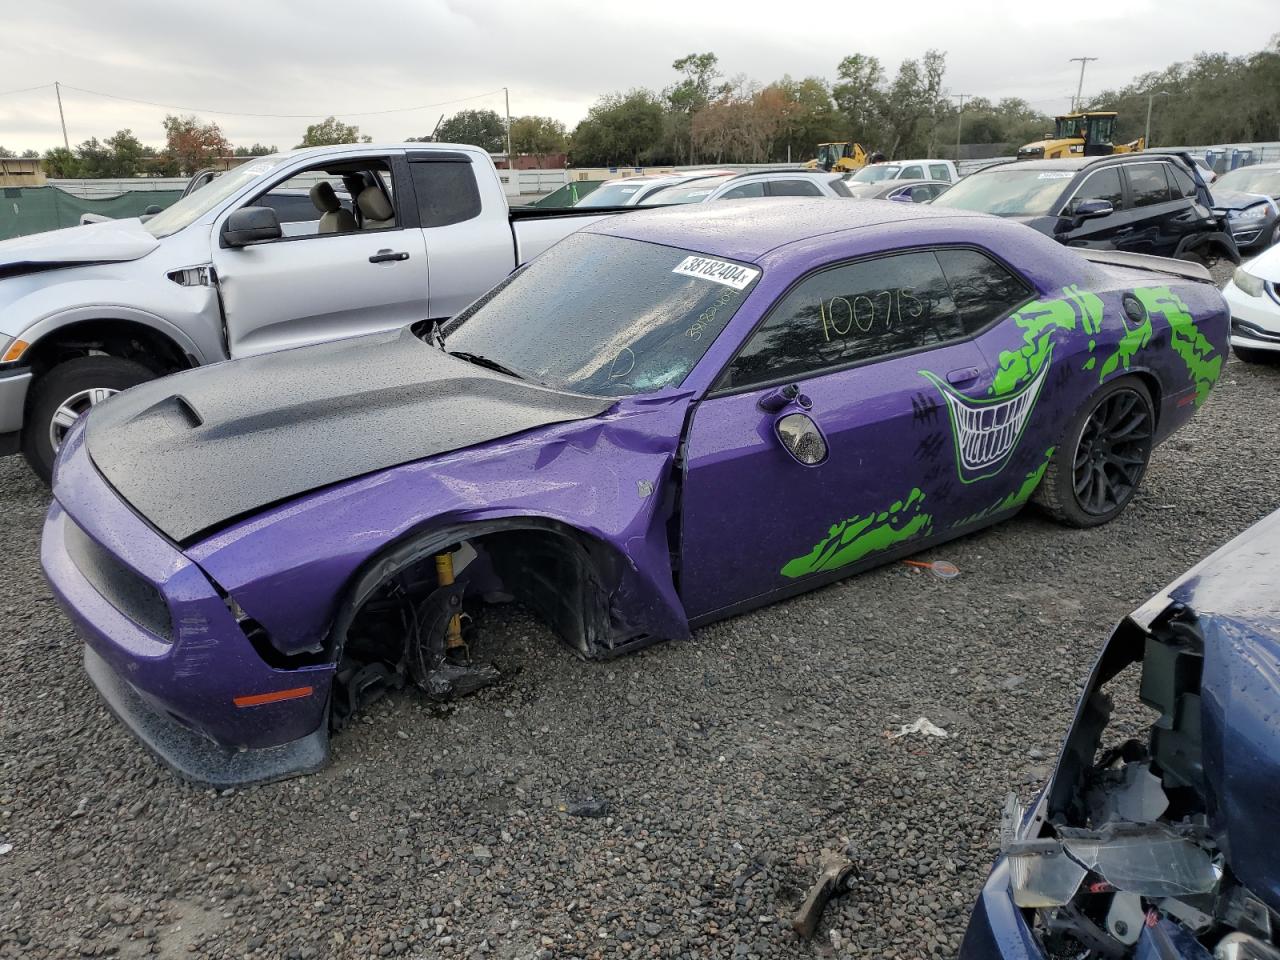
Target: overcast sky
[{"x": 556, "y": 56}]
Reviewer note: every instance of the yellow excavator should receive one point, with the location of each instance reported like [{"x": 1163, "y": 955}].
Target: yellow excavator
[
  {"x": 1089, "y": 134},
  {"x": 839, "y": 157}
]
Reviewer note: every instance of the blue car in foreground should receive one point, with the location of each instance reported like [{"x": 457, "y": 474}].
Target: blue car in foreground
[{"x": 1158, "y": 837}]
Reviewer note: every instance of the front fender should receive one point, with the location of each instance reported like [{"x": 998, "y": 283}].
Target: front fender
[
  {"x": 189, "y": 316},
  {"x": 609, "y": 480}
]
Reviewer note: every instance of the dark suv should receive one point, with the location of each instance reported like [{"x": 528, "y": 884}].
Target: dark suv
[{"x": 1138, "y": 203}]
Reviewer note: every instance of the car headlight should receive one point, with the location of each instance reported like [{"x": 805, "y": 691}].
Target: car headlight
[
  {"x": 1247, "y": 282},
  {"x": 1257, "y": 212}
]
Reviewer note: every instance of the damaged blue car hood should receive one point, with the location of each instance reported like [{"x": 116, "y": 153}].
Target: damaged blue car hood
[{"x": 1235, "y": 593}]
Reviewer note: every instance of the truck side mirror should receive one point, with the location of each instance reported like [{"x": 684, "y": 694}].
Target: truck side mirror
[
  {"x": 250, "y": 225},
  {"x": 1092, "y": 209}
]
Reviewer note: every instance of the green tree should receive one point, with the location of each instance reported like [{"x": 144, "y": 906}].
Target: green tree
[
  {"x": 859, "y": 94},
  {"x": 689, "y": 95},
  {"x": 257, "y": 150},
  {"x": 478, "y": 128},
  {"x": 330, "y": 132},
  {"x": 537, "y": 136},
  {"x": 61, "y": 163},
  {"x": 6, "y": 153},
  {"x": 619, "y": 128},
  {"x": 30, "y": 154},
  {"x": 128, "y": 155},
  {"x": 191, "y": 145}
]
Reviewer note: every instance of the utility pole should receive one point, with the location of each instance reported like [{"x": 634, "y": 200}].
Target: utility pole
[
  {"x": 1080, "y": 89},
  {"x": 960, "y": 119},
  {"x": 57, "y": 90},
  {"x": 511, "y": 161},
  {"x": 1146, "y": 139}
]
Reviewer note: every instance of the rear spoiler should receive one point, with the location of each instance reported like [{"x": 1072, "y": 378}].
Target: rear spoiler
[{"x": 1145, "y": 261}]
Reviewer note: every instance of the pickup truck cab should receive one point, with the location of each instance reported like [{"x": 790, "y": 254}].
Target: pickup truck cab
[
  {"x": 284, "y": 250},
  {"x": 944, "y": 170}
]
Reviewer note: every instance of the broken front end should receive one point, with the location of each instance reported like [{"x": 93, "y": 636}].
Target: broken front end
[{"x": 1159, "y": 834}]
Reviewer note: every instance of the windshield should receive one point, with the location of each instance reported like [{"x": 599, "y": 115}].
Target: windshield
[
  {"x": 604, "y": 316},
  {"x": 613, "y": 194},
  {"x": 200, "y": 201},
  {"x": 1008, "y": 191},
  {"x": 1246, "y": 180},
  {"x": 693, "y": 192},
  {"x": 876, "y": 172}
]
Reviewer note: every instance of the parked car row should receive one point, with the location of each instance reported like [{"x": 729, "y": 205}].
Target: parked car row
[{"x": 623, "y": 410}]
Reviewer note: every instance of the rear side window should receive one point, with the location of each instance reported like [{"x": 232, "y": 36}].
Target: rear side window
[
  {"x": 743, "y": 191},
  {"x": 447, "y": 192},
  {"x": 794, "y": 188},
  {"x": 1100, "y": 185},
  {"x": 983, "y": 289},
  {"x": 1181, "y": 182},
  {"x": 1147, "y": 183},
  {"x": 850, "y": 313},
  {"x": 939, "y": 171}
]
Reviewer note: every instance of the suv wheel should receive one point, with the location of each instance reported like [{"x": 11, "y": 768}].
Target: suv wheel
[{"x": 64, "y": 394}]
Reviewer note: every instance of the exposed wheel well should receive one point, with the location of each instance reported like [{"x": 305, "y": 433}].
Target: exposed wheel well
[{"x": 118, "y": 338}]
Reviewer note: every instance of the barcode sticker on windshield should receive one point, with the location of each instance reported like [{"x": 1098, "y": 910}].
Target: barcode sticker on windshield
[
  {"x": 1056, "y": 175},
  {"x": 717, "y": 271}
]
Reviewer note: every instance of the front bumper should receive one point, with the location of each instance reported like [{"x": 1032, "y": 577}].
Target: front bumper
[
  {"x": 998, "y": 928},
  {"x": 13, "y": 404},
  {"x": 1255, "y": 321},
  {"x": 173, "y": 677},
  {"x": 1254, "y": 235}
]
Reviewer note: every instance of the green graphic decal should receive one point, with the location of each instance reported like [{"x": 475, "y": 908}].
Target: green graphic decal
[
  {"x": 1187, "y": 340},
  {"x": 850, "y": 540},
  {"x": 1134, "y": 339},
  {"x": 1039, "y": 320},
  {"x": 1015, "y": 499}
]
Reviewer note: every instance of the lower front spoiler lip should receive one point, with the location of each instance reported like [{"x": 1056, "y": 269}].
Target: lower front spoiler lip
[
  {"x": 190, "y": 755},
  {"x": 998, "y": 929}
]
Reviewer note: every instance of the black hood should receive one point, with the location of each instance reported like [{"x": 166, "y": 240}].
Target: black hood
[{"x": 197, "y": 449}]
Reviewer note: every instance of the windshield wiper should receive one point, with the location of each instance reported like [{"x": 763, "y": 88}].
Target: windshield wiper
[{"x": 480, "y": 361}]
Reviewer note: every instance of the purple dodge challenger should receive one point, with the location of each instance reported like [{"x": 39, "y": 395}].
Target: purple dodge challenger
[{"x": 667, "y": 419}]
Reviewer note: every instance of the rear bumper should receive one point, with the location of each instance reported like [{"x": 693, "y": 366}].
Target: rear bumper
[
  {"x": 176, "y": 689},
  {"x": 997, "y": 928}
]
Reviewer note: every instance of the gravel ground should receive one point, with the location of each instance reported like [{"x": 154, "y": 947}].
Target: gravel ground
[{"x": 728, "y": 762}]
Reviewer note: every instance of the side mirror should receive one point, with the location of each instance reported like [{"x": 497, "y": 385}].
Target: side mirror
[
  {"x": 250, "y": 225},
  {"x": 801, "y": 438},
  {"x": 1092, "y": 209},
  {"x": 152, "y": 210}
]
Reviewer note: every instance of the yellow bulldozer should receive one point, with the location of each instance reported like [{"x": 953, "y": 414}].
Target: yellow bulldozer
[
  {"x": 1090, "y": 134},
  {"x": 839, "y": 157}
]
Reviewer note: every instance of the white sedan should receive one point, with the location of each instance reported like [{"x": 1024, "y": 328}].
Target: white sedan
[{"x": 1253, "y": 293}]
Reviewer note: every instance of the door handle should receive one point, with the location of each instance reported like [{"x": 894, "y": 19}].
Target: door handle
[
  {"x": 958, "y": 378},
  {"x": 387, "y": 256}
]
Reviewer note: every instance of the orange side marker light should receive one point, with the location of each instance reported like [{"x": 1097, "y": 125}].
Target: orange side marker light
[{"x": 258, "y": 699}]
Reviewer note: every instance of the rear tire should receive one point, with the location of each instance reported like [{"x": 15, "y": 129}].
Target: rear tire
[
  {"x": 67, "y": 391},
  {"x": 1250, "y": 355},
  {"x": 1102, "y": 458}
]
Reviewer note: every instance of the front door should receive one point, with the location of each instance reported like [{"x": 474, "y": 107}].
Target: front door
[
  {"x": 876, "y": 357},
  {"x": 335, "y": 273}
]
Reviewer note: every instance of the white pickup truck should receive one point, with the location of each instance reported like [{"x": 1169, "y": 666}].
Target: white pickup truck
[{"x": 285, "y": 250}]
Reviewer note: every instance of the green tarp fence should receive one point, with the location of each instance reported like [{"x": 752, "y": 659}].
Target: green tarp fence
[{"x": 26, "y": 210}]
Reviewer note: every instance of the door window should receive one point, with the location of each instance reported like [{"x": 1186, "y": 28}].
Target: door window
[
  {"x": 447, "y": 192},
  {"x": 321, "y": 201},
  {"x": 1181, "y": 182},
  {"x": 940, "y": 171},
  {"x": 849, "y": 314},
  {"x": 794, "y": 188},
  {"x": 744, "y": 191},
  {"x": 1099, "y": 185},
  {"x": 984, "y": 290},
  {"x": 913, "y": 172},
  {"x": 1147, "y": 183}
]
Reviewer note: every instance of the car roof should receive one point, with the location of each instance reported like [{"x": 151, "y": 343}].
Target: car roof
[
  {"x": 1079, "y": 163},
  {"x": 748, "y": 229}
]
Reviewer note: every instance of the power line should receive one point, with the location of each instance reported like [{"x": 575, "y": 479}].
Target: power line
[
  {"x": 40, "y": 86},
  {"x": 279, "y": 116}
]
